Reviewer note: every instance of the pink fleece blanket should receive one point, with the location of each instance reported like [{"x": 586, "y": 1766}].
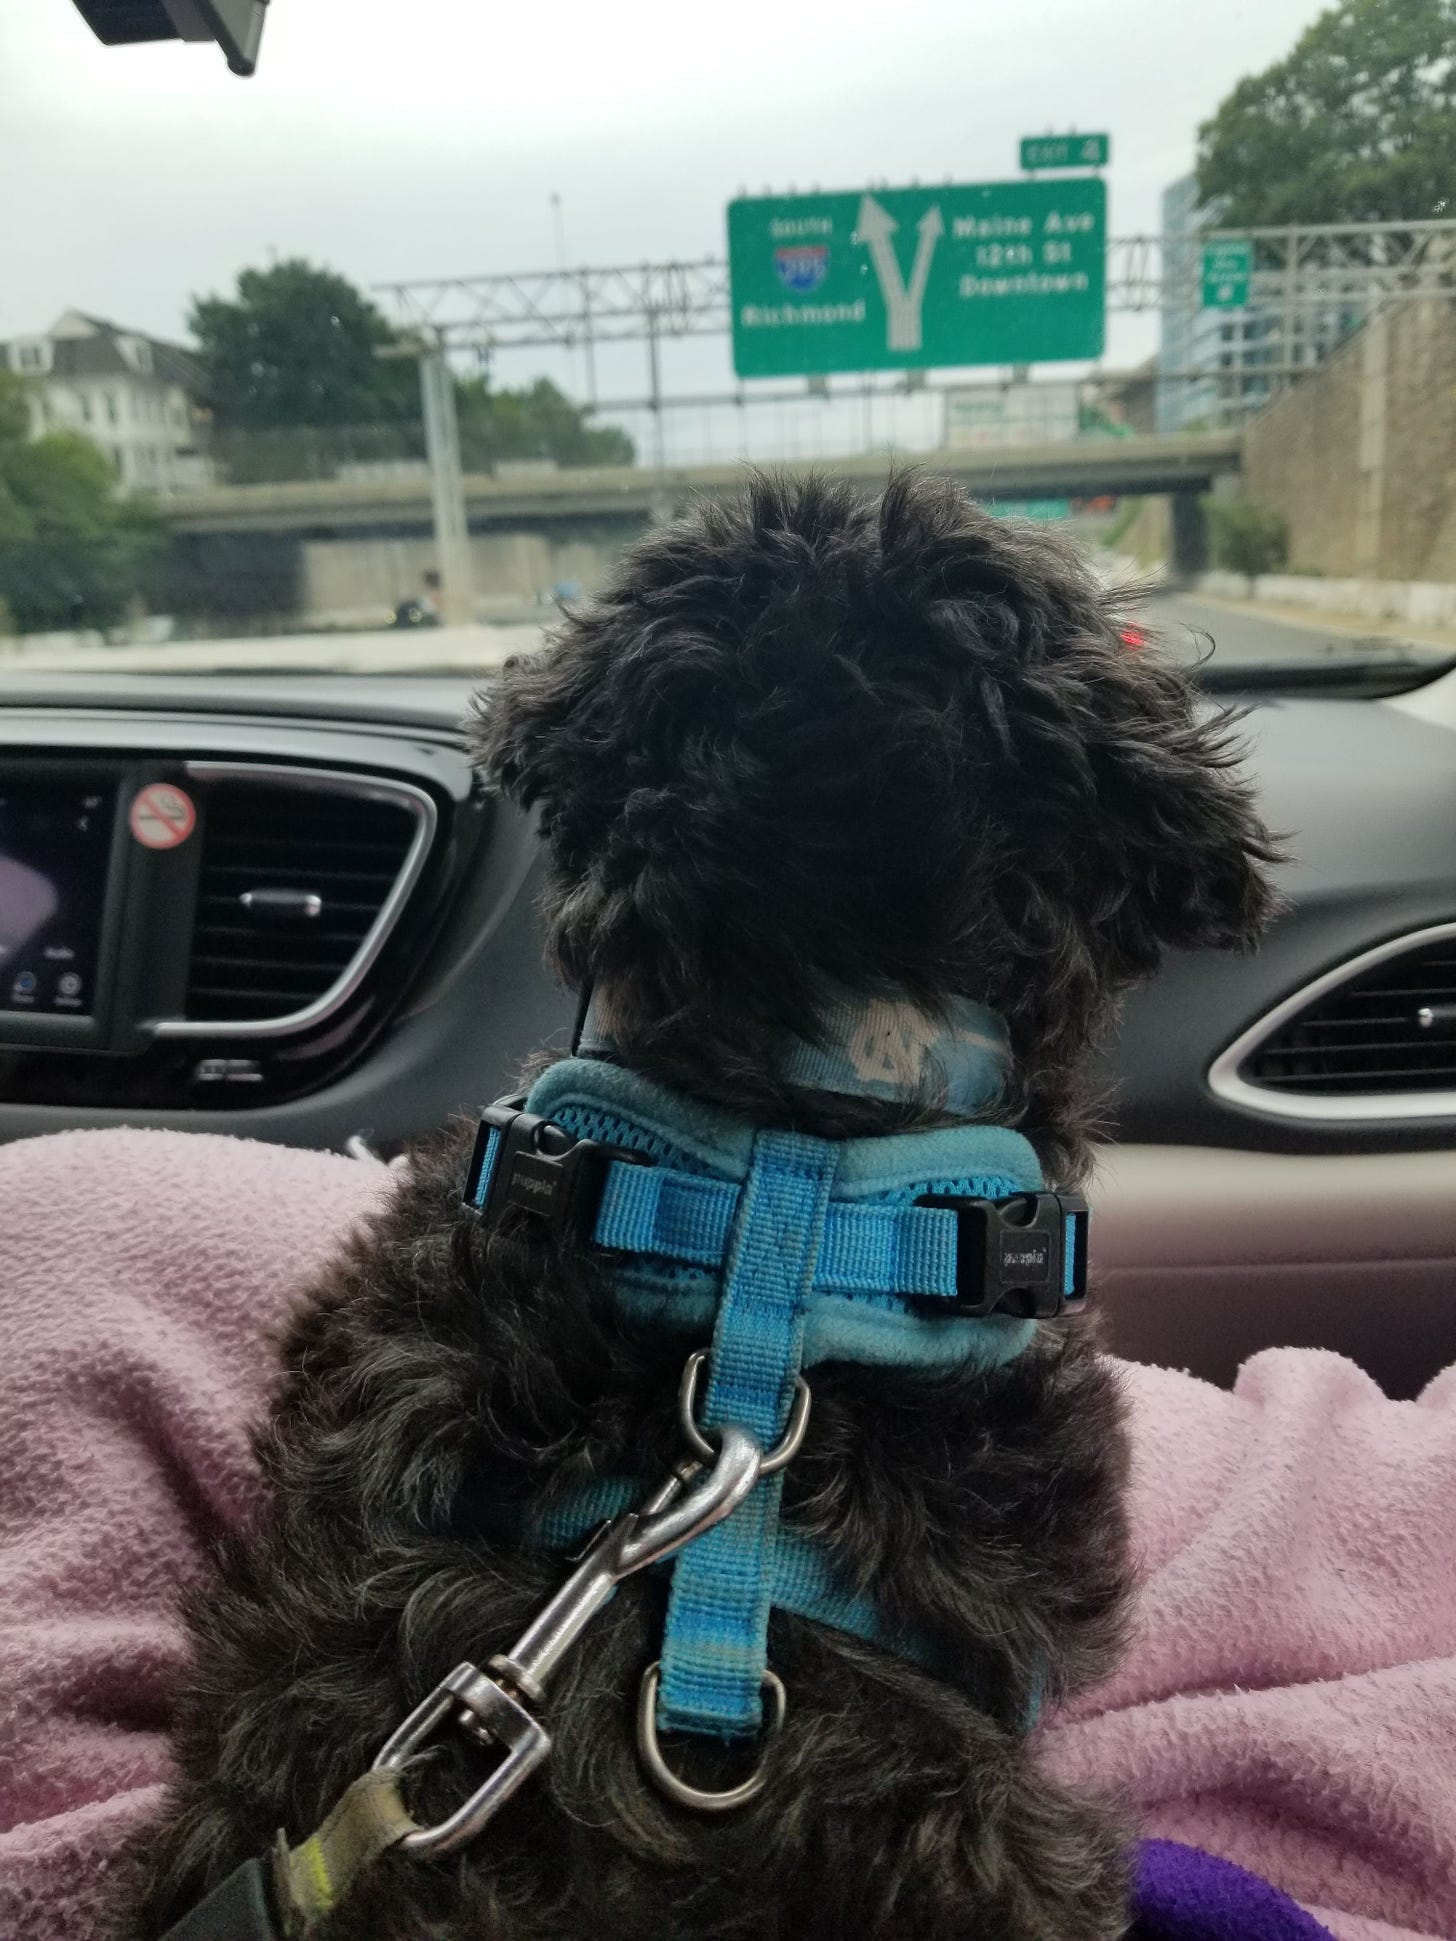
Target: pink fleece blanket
[{"x": 1289, "y": 1701}]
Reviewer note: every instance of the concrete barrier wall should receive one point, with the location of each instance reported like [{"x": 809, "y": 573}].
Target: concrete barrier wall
[
  {"x": 1360, "y": 457},
  {"x": 355, "y": 577},
  {"x": 1430, "y": 603}
]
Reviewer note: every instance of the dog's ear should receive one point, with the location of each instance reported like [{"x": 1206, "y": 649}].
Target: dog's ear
[
  {"x": 1154, "y": 812},
  {"x": 1094, "y": 768},
  {"x": 518, "y": 724},
  {"x": 1101, "y": 809},
  {"x": 574, "y": 735}
]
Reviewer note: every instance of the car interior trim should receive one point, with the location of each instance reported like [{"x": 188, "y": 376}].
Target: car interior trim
[
  {"x": 1203, "y": 1256},
  {"x": 1225, "y": 1074}
]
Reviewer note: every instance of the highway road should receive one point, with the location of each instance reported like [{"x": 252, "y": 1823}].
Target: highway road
[
  {"x": 1185, "y": 623},
  {"x": 1190, "y": 625}
]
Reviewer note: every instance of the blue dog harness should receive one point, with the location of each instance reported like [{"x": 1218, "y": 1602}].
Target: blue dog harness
[
  {"x": 933, "y": 1250},
  {"x": 936, "y": 1250}
]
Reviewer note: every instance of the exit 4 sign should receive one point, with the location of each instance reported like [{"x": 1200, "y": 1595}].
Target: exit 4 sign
[{"x": 1065, "y": 151}]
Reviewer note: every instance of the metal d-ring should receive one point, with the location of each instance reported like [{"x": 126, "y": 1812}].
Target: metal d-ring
[
  {"x": 667, "y": 1781},
  {"x": 783, "y": 1451}
]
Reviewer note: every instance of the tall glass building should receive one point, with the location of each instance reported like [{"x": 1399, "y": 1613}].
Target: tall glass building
[{"x": 1211, "y": 363}]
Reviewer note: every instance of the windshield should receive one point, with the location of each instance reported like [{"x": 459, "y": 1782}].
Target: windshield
[{"x": 374, "y": 360}]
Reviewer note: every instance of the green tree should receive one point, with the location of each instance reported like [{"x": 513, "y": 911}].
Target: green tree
[
  {"x": 538, "y": 421},
  {"x": 72, "y": 552},
  {"x": 1248, "y": 536},
  {"x": 297, "y": 347},
  {"x": 1356, "y": 124},
  {"x": 294, "y": 380}
]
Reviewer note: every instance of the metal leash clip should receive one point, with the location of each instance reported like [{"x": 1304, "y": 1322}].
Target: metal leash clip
[{"x": 498, "y": 1706}]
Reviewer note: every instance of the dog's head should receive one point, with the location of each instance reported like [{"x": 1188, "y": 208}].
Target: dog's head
[{"x": 806, "y": 746}]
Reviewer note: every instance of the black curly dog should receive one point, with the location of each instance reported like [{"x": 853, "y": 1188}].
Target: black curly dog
[{"x": 803, "y": 745}]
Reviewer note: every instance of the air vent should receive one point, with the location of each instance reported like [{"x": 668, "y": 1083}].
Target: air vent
[
  {"x": 1375, "y": 1038},
  {"x": 303, "y": 874}
]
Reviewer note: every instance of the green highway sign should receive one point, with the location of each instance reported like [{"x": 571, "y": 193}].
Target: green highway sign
[
  {"x": 1065, "y": 151},
  {"x": 1030, "y": 508},
  {"x": 897, "y": 279},
  {"x": 1227, "y": 268}
]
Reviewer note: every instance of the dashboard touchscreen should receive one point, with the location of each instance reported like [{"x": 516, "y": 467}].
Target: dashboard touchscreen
[{"x": 54, "y": 843}]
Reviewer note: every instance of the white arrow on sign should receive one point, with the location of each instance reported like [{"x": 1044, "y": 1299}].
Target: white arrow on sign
[{"x": 877, "y": 228}]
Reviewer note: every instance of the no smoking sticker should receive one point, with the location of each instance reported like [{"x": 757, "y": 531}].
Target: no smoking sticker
[{"x": 162, "y": 816}]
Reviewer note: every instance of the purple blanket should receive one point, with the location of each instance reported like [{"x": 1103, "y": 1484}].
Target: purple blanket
[{"x": 1182, "y": 1894}]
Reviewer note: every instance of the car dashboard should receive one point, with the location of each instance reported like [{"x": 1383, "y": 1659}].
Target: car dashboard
[
  {"x": 290, "y": 910},
  {"x": 332, "y": 932}
]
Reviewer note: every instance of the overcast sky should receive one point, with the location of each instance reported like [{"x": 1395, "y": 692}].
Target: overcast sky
[{"x": 397, "y": 138}]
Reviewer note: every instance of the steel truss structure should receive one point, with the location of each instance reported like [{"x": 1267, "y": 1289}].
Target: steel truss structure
[
  {"x": 1318, "y": 267},
  {"x": 1308, "y": 287}
]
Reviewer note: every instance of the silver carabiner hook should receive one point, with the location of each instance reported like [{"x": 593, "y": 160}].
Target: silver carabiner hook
[
  {"x": 686, "y": 1505},
  {"x": 692, "y": 1501},
  {"x": 495, "y": 1706}
]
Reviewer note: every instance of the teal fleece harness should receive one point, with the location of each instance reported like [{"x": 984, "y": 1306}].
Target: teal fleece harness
[{"x": 790, "y": 1251}]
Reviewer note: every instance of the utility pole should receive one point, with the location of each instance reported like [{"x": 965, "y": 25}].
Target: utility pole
[
  {"x": 588, "y": 346},
  {"x": 447, "y": 483},
  {"x": 662, "y": 506},
  {"x": 588, "y": 341},
  {"x": 558, "y": 223}
]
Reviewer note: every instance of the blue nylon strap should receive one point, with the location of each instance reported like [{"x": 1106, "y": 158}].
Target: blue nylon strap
[
  {"x": 716, "y": 1645},
  {"x": 804, "y": 1582},
  {"x": 654, "y": 1211}
]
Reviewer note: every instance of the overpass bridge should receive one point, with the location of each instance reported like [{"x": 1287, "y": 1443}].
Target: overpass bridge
[
  {"x": 350, "y": 548},
  {"x": 1082, "y": 468}
]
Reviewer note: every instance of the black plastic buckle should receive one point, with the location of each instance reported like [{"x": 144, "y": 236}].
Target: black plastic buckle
[
  {"x": 539, "y": 1168},
  {"x": 1025, "y": 1255}
]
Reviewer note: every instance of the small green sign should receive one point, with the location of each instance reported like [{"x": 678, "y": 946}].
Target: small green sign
[
  {"x": 1065, "y": 151},
  {"x": 1227, "y": 268},
  {"x": 1030, "y": 508},
  {"x": 980, "y": 273}
]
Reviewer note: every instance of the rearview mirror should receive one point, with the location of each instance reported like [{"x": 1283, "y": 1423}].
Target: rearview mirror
[{"x": 236, "y": 25}]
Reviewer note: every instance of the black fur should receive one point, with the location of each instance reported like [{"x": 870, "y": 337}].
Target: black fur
[{"x": 804, "y": 746}]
